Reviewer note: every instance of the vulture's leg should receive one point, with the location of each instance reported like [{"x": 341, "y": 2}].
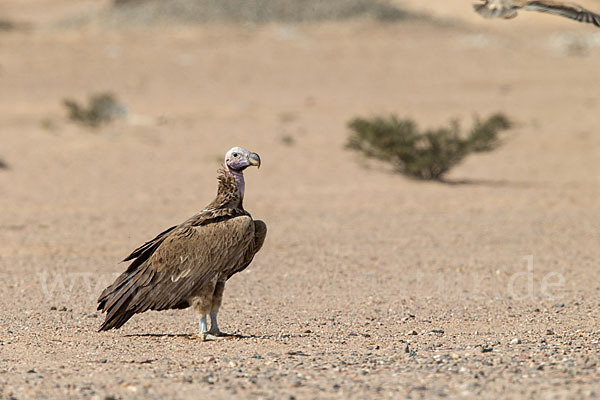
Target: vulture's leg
[
  {"x": 217, "y": 298},
  {"x": 214, "y": 326},
  {"x": 202, "y": 303},
  {"x": 203, "y": 325}
]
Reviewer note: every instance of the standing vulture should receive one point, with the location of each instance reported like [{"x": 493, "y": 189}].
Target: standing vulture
[
  {"x": 509, "y": 9},
  {"x": 188, "y": 264}
]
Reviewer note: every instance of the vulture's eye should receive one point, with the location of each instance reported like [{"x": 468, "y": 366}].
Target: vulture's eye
[{"x": 235, "y": 154}]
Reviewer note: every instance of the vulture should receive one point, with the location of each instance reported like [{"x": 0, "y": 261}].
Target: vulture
[
  {"x": 188, "y": 264},
  {"x": 509, "y": 9}
]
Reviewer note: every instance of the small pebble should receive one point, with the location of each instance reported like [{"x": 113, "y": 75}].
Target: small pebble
[{"x": 515, "y": 341}]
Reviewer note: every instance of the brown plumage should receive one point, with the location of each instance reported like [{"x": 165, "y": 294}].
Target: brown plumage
[
  {"x": 509, "y": 9},
  {"x": 188, "y": 264}
]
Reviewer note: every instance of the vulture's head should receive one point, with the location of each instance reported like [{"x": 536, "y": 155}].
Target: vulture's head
[{"x": 238, "y": 159}]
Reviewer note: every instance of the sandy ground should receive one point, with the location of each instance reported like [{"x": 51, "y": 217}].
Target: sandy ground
[{"x": 369, "y": 284}]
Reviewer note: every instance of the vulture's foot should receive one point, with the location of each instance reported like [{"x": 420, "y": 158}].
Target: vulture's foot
[
  {"x": 207, "y": 337},
  {"x": 221, "y": 335},
  {"x": 216, "y": 332}
]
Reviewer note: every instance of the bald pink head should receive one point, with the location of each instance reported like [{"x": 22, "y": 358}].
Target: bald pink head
[{"x": 238, "y": 159}]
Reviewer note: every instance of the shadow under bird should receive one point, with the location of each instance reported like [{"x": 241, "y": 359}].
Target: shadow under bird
[
  {"x": 188, "y": 264},
  {"x": 510, "y": 8}
]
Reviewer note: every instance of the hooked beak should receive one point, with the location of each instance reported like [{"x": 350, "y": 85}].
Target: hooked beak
[{"x": 254, "y": 159}]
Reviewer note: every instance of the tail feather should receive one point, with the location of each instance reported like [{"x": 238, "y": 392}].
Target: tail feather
[
  {"x": 116, "y": 300},
  {"x": 115, "y": 321}
]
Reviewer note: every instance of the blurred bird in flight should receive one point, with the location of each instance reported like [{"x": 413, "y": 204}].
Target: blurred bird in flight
[{"x": 510, "y": 8}]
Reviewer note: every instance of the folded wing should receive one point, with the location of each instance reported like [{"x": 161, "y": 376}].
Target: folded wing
[{"x": 175, "y": 264}]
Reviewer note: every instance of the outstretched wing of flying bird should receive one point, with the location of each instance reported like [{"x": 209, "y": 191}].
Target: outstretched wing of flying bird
[{"x": 509, "y": 9}]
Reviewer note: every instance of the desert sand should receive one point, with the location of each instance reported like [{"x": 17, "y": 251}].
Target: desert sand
[{"x": 370, "y": 284}]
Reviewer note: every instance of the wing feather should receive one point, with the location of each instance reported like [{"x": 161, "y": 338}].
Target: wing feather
[
  {"x": 260, "y": 232},
  {"x": 569, "y": 10},
  {"x": 142, "y": 253}
]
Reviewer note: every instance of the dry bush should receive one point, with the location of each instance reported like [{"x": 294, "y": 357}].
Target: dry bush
[
  {"x": 425, "y": 154},
  {"x": 101, "y": 109},
  {"x": 7, "y": 25}
]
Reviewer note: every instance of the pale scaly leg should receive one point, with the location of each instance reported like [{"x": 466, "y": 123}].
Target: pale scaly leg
[
  {"x": 203, "y": 325},
  {"x": 202, "y": 303},
  {"x": 214, "y": 325},
  {"x": 214, "y": 309}
]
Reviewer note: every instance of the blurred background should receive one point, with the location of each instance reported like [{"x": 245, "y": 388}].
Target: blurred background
[{"x": 115, "y": 115}]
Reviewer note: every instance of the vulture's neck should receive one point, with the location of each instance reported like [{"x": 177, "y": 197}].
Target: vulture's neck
[
  {"x": 239, "y": 181},
  {"x": 230, "y": 193}
]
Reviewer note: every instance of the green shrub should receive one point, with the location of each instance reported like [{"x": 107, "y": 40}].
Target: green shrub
[
  {"x": 101, "y": 109},
  {"x": 3, "y": 165},
  {"x": 425, "y": 154}
]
